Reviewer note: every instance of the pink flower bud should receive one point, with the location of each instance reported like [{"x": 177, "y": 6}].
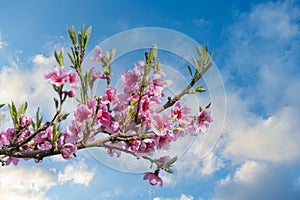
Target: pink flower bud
[
  {"x": 68, "y": 150},
  {"x": 25, "y": 120}
]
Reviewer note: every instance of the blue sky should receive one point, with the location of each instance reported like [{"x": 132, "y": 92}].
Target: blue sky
[{"x": 256, "y": 45}]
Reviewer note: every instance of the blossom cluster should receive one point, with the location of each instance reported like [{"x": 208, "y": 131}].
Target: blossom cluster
[{"x": 129, "y": 119}]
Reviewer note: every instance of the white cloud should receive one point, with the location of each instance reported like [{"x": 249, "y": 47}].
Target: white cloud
[
  {"x": 256, "y": 180},
  {"x": 262, "y": 105},
  {"x": 186, "y": 197},
  {"x": 262, "y": 54},
  {"x": 28, "y": 85},
  {"x": 2, "y": 43},
  {"x": 25, "y": 183},
  {"x": 77, "y": 173},
  {"x": 182, "y": 197},
  {"x": 273, "y": 139}
]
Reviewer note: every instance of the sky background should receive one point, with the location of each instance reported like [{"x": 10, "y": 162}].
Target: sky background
[{"x": 256, "y": 45}]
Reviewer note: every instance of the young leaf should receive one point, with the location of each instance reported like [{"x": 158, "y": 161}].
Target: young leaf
[
  {"x": 153, "y": 53},
  {"x": 56, "y": 103},
  {"x": 87, "y": 35},
  {"x": 1, "y": 105},
  {"x": 173, "y": 160},
  {"x": 169, "y": 170},
  {"x": 72, "y": 34},
  {"x": 22, "y": 109},
  {"x": 190, "y": 70},
  {"x": 208, "y": 105},
  {"x": 71, "y": 59},
  {"x": 199, "y": 51},
  {"x": 13, "y": 112}
]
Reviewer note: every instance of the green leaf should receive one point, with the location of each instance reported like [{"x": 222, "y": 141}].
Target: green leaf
[
  {"x": 72, "y": 34},
  {"x": 1, "y": 105},
  {"x": 199, "y": 89},
  {"x": 56, "y": 103},
  {"x": 173, "y": 160},
  {"x": 190, "y": 70},
  {"x": 80, "y": 39},
  {"x": 87, "y": 35},
  {"x": 196, "y": 64},
  {"x": 200, "y": 108},
  {"x": 112, "y": 54},
  {"x": 153, "y": 53},
  {"x": 55, "y": 133},
  {"x": 22, "y": 109},
  {"x": 13, "y": 113},
  {"x": 130, "y": 114},
  {"x": 199, "y": 51},
  {"x": 208, "y": 105},
  {"x": 64, "y": 116},
  {"x": 71, "y": 58},
  {"x": 169, "y": 170}
]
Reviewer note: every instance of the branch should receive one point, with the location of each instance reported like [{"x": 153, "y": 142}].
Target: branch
[{"x": 185, "y": 91}]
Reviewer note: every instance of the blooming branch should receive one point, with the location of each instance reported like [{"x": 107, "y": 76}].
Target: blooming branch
[{"x": 133, "y": 121}]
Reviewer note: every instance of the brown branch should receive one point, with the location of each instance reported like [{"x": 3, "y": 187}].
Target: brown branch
[{"x": 185, "y": 91}]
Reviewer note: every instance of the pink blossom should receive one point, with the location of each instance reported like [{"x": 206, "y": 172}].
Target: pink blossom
[
  {"x": 131, "y": 80},
  {"x": 68, "y": 150},
  {"x": 3, "y": 138},
  {"x": 110, "y": 96},
  {"x": 92, "y": 103},
  {"x": 203, "y": 120},
  {"x": 113, "y": 127},
  {"x": 98, "y": 54},
  {"x": 45, "y": 145},
  {"x": 74, "y": 128},
  {"x": 71, "y": 79},
  {"x": 57, "y": 76},
  {"x": 9, "y": 133},
  {"x": 43, "y": 136},
  {"x": 157, "y": 84},
  {"x": 82, "y": 113},
  {"x": 12, "y": 160},
  {"x": 153, "y": 178},
  {"x": 133, "y": 145},
  {"x": 181, "y": 113},
  {"x": 146, "y": 147},
  {"x": 97, "y": 74},
  {"x": 146, "y": 105},
  {"x": 161, "y": 124},
  {"x": 25, "y": 120},
  {"x": 163, "y": 142},
  {"x": 104, "y": 117},
  {"x": 23, "y": 135}
]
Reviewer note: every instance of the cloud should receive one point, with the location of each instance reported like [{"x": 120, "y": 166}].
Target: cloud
[
  {"x": 2, "y": 42},
  {"x": 182, "y": 197},
  {"x": 77, "y": 173},
  {"x": 273, "y": 139},
  {"x": 262, "y": 118},
  {"x": 257, "y": 180},
  {"x": 24, "y": 182},
  {"x": 261, "y": 131},
  {"x": 262, "y": 56},
  {"x": 28, "y": 85}
]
